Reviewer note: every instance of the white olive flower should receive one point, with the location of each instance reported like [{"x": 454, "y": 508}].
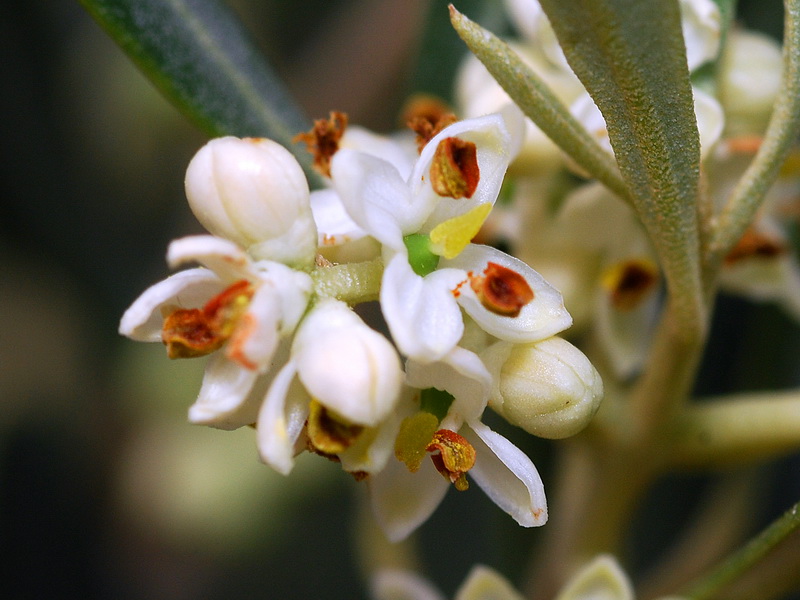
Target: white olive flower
[
  {"x": 404, "y": 495},
  {"x": 253, "y": 191},
  {"x": 234, "y": 307},
  {"x": 425, "y": 224},
  {"x": 349, "y": 370}
]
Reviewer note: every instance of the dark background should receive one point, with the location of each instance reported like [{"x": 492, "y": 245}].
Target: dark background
[{"x": 105, "y": 490}]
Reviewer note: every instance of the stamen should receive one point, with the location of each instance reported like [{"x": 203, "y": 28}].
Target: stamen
[
  {"x": 188, "y": 333},
  {"x": 454, "y": 170},
  {"x": 455, "y": 457},
  {"x": 501, "y": 290},
  {"x": 629, "y": 282},
  {"x": 754, "y": 244},
  {"x": 427, "y": 116},
  {"x": 322, "y": 140},
  {"x": 329, "y": 433}
]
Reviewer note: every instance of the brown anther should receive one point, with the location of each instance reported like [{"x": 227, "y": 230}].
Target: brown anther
[
  {"x": 322, "y": 140},
  {"x": 453, "y": 456},
  {"x": 754, "y": 244},
  {"x": 454, "y": 169},
  {"x": 426, "y": 116},
  {"x": 196, "y": 332},
  {"x": 630, "y": 282},
  {"x": 501, "y": 290},
  {"x": 329, "y": 434}
]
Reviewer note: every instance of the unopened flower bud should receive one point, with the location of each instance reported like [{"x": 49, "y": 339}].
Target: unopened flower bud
[
  {"x": 548, "y": 388},
  {"x": 253, "y": 192},
  {"x": 346, "y": 366}
]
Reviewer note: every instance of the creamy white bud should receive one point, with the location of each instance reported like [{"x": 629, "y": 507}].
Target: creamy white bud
[
  {"x": 253, "y": 192},
  {"x": 346, "y": 366},
  {"x": 548, "y": 388},
  {"x": 749, "y": 79}
]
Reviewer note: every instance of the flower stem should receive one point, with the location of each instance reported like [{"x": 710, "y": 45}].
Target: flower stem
[
  {"x": 742, "y": 428},
  {"x": 353, "y": 283},
  {"x": 746, "y": 558}
]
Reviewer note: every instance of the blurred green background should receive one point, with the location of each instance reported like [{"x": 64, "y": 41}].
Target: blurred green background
[{"x": 105, "y": 490}]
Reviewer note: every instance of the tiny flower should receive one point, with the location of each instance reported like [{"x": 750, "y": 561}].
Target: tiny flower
[
  {"x": 549, "y": 389},
  {"x": 253, "y": 192},
  {"x": 235, "y": 308},
  {"x": 456, "y": 389},
  {"x": 341, "y": 376},
  {"x": 425, "y": 225}
]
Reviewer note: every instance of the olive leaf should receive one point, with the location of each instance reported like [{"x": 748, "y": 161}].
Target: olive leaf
[{"x": 200, "y": 57}]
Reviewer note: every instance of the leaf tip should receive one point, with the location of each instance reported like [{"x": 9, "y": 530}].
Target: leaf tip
[{"x": 454, "y": 14}]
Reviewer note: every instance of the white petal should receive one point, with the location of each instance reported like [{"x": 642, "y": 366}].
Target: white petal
[
  {"x": 460, "y": 373},
  {"x": 525, "y": 16},
  {"x": 293, "y": 289},
  {"x": 373, "y": 448},
  {"x": 400, "y": 155},
  {"x": 542, "y": 317},
  {"x": 625, "y": 334},
  {"x": 421, "y": 312},
  {"x": 710, "y": 120},
  {"x": 255, "y": 339},
  {"x": 192, "y": 288},
  {"x": 507, "y": 475},
  {"x": 765, "y": 279},
  {"x": 376, "y": 197},
  {"x": 223, "y": 257},
  {"x": 402, "y": 500},
  {"x": 392, "y": 584},
  {"x": 334, "y": 225},
  {"x": 281, "y": 420},
  {"x": 702, "y": 29},
  {"x": 601, "y": 579},
  {"x": 493, "y": 143},
  {"x": 345, "y": 365},
  {"x": 225, "y": 399}
]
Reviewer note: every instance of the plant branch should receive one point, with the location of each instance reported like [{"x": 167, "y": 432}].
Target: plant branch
[{"x": 746, "y": 558}]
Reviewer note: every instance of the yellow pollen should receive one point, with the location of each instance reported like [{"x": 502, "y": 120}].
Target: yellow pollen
[
  {"x": 450, "y": 237},
  {"x": 416, "y": 433}
]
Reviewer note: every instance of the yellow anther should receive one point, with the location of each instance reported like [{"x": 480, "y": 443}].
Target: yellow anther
[
  {"x": 450, "y": 237},
  {"x": 329, "y": 433}
]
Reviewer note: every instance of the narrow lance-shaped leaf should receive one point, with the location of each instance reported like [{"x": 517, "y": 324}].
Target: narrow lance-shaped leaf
[
  {"x": 631, "y": 58},
  {"x": 200, "y": 57},
  {"x": 538, "y": 102}
]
